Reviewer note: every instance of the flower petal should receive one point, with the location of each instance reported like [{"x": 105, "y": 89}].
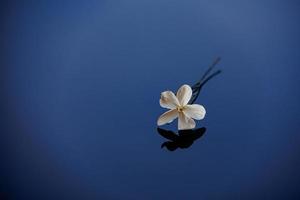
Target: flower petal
[
  {"x": 167, "y": 117},
  {"x": 184, "y": 122},
  {"x": 184, "y": 94},
  {"x": 168, "y": 100},
  {"x": 194, "y": 111}
]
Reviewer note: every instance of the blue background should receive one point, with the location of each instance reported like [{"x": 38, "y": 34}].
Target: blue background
[{"x": 81, "y": 80}]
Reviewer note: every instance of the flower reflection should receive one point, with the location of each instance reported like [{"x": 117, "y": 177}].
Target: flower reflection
[{"x": 184, "y": 139}]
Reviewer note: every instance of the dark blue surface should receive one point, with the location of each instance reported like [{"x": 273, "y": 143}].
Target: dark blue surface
[{"x": 80, "y": 84}]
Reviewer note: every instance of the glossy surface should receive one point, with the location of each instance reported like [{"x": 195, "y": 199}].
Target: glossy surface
[{"x": 80, "y": 84}]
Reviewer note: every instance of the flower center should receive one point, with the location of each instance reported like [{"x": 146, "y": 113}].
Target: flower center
[{"x": 180, "y": 108}]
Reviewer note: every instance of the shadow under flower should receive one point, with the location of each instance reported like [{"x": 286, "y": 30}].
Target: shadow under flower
[{"x": 184, "y": 139}]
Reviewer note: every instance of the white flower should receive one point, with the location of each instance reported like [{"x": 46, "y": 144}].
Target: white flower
[{"x": 179, "y": 107}]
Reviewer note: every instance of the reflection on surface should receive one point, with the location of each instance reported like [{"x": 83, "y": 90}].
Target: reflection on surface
[{"x": 184, "y": 139}]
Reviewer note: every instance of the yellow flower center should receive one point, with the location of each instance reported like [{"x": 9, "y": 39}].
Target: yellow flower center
[{"x": 180, "y": 108}]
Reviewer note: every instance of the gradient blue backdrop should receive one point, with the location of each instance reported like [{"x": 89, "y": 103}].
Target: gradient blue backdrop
[{"x": 80, "y": 83}]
